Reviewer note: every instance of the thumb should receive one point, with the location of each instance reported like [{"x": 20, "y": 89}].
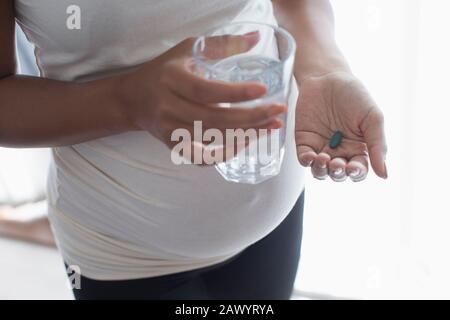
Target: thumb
[
  {"x": 219, "y": 47},
  {"x": 374, "y": 136}
]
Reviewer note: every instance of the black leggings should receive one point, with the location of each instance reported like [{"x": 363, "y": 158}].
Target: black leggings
[{"x": 264, "y": 270}]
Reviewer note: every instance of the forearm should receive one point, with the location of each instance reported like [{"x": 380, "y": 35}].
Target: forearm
[
  {"x": 311, "y": 22},
  {"x": 36, "y": 112}
]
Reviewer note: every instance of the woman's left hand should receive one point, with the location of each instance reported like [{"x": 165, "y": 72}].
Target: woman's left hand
[{"x": 338, "y": 101}]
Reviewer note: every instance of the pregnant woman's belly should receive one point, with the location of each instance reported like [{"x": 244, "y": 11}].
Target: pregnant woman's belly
[{"x": 121, "y": 197}]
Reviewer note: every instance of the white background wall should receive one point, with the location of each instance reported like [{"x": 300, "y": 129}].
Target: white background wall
[{"x": 390, "y": 239}]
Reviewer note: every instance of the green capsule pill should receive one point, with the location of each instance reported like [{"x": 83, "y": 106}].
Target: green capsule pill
[{"x": 336, "y": 140}]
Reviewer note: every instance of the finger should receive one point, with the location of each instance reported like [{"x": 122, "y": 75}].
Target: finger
[
  {"x": 193, "y": 151},
  {"x": 187, "y": 84},
  {"x": 357, "y": 168},
  {"x": 227, "y": 151},
  {"x": 217, "y": 117},
  {"x": 242, "y": 138},
  {"x": 233, "y": 118},
  {"x": 310, "y": 139},
  {"x": 214, "y": 116},
  {"x": 211, "y": 154},
  {"x": 373, "y": 131},
  {"x": 211, "y": 147},
  {"x": 319, "y": 167},
  {"x": 347, "y": 149},
  {"x": 306, "y": 155},
  {"x": 234, "y": 142},
  {"x": 219, "y": 47},
  {"x": 337, "y": 169},
  {"x": 180, "y": 139},
  {"x": 209, "y": 136}
]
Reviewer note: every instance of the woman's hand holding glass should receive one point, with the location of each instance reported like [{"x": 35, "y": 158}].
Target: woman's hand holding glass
[{"x": 165, "y": 94}]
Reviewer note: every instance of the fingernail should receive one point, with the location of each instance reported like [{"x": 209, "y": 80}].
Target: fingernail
[
  {"x": 306, "y": 163},
  {"x": 251, "y": 34},
  {"x": 283, "y": 107},
  {"x": 355, "y": 173},
  {"x": 257, "y": 91},
  {"x": 274, "y": 111},
  {"x": 385, "y": 171},
  {"x": 340, "y": 178},
  {"x": 277, "y": 124},
  {"x": 322, "y": 165}
]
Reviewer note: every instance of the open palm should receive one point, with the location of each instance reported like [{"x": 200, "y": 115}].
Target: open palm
[{"x": 339, "y": 102}]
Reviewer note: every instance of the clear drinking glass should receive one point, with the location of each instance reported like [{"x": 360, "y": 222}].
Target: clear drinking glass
[{"x": 269, "y": 61}]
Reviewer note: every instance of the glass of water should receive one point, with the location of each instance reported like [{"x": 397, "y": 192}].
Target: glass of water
[{"x": 269, "y": 60}]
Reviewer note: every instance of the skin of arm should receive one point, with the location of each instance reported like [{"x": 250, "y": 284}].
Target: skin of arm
[
  {"x": 30, "y": 107},
  {"x": 311, "y": 22}
]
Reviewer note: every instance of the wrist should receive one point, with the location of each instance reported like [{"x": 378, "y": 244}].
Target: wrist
[
  {"x": 123, "y": 101},
  {"x": 129, "y": 95},
  {"x": 314, "y": 63}
]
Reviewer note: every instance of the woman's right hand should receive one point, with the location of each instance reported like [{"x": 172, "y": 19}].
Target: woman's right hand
[{"x": 165, "y": 94}]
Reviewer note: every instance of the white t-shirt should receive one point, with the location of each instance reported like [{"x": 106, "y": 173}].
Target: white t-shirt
[{"x": 120, "y": 209}]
